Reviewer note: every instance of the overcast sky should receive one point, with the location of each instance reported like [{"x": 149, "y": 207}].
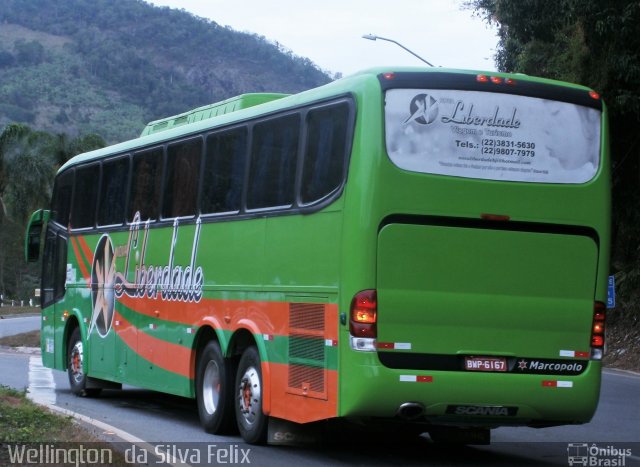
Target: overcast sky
[{"x": 329, "y": 32}]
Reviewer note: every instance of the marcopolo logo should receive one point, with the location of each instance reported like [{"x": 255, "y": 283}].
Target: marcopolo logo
[
  {"x": 550, "y": 367},
  {"x": 423, "y": 109},
  {"x": 595, "y": 455}
]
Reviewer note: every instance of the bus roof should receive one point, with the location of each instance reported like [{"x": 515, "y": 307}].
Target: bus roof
[
  {"x": 242, "y": 101},
  {"x": 245, "y": 106}
]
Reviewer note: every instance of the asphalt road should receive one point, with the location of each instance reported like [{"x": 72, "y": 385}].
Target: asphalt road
[
  {"x": 159, "y": 418},
  {"x": 19, "y": 324}
]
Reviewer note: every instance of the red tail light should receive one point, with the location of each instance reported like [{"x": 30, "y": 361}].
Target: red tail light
[
  {"x": 598, "y": 326},
  {"x": 364, "y": 314}
]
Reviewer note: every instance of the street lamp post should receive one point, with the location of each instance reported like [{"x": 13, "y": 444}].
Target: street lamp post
[{"x": 373, "y": 37}]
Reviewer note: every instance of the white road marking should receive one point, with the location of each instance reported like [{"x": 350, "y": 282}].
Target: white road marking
[{"x": 42, "y": 388}]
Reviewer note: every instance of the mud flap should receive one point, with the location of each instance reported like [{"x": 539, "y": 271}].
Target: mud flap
[{"x": 285, "y": 433}]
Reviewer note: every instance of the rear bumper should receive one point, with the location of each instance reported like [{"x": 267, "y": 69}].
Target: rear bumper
[{"x": 460, "y": 398}]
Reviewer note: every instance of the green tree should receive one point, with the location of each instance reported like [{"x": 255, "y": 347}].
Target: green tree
[
  {"x": 31, "y": 52},
  {"x": 28, "y": 162},
  {"x": 26, "y": 171}
]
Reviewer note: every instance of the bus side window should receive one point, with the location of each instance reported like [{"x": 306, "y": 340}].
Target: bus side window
[
  {"x": 61, "y": 267},
  {"x": 61, "y": 199},
  {"x": 224, "y": 169},
  {"x": 48, "y": 267},
  {"x": 145, "y": 184},
  {"x": 113, "y": 194},
  {"x": 273, "y": 162},
  {"x": 54, "y": 267},
  {"x": 325, "y": 155},
  {"x": 181, "y": 185},
  {"x": 85, "y": 196}
]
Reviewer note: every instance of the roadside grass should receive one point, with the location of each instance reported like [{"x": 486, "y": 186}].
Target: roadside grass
[
  {"x": 26, "y": 339},
  {"x": 23, "y": 422},
  {"x": 18, "y": 310}
]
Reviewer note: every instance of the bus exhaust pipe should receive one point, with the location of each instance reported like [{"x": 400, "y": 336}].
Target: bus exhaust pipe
[{"x": 410, "y": 410}]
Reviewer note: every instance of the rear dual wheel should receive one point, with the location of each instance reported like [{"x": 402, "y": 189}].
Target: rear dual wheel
[
  {"x": 252, "y": 422},
  {"x": 219, "y": 402},
  {"x": 214, "y": 378}
]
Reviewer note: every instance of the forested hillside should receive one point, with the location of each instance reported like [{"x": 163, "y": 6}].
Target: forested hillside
[{"x": 109, "y": 66}]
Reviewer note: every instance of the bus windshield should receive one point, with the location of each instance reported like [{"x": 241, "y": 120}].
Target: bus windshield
[{"x": 486, "y": 135}]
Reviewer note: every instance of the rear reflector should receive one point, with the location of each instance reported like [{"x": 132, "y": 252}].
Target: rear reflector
[
  {"x": 598, "y": 330},
  {"x": 495, "y": 217}
]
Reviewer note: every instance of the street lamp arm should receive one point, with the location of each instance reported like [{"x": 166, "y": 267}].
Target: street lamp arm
[{"x": 373, "y": 37}]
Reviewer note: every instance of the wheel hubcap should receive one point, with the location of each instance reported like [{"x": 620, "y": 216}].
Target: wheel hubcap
[
  {"x": 75, "y": 362},
  {"x": 250, "y": 395},
  {"x": 211, "y": 387}
]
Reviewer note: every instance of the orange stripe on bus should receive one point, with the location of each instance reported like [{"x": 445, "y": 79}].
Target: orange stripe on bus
[
  {"x": 83, "y": 267},
  {"x": 269, "y": 317},
  {"x": 88, "y": 254},
  {"x": 166, "y": 355}
]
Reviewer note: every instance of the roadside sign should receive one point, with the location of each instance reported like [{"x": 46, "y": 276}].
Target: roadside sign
[{"x": 611, "y": 292}]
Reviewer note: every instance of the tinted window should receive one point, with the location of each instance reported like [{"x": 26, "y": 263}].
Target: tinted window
[
  {"x": 49, "y": 267},
  {"x": 61, "y": 267},
  {"x": 325, "y": 155},
  {"x": 113, "y": 193},
  {"x": 145, "y": 186},
  {"x": 224, "y": 171},
  {"x": 273, "y": 162},
  {"x": 181, "y": 187},
  {"x": 85, "y": 196},
  {"x": 61, "y": 200},
  {"x": 54, "y": 267}
]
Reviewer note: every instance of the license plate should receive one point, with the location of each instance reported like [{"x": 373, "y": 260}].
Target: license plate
[{"x": 485, "y": 364}]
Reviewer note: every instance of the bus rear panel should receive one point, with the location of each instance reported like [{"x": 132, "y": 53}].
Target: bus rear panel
[{"x": 490, "y": 233}]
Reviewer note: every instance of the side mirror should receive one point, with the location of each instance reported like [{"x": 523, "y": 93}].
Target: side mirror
[{"x": 33, "y": 235}]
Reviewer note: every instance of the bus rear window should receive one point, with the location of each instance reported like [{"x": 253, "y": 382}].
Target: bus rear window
[{"x": 491, "y": 136}]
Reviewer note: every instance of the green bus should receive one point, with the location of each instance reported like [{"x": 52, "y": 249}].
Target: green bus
[{"x": 420, "y": 247}]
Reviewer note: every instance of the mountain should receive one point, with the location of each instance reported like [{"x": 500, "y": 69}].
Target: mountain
[{"x": 110, "y": 66}]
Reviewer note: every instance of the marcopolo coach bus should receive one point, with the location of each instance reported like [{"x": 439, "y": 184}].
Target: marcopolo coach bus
[{"x": 426, "y": 247}]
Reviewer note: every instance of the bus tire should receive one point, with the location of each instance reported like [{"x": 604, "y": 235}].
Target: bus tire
[
  {"x": 75, "y": 367},
  {"x": 214, "y": 390},
  {"x": 251, "y": 420}
]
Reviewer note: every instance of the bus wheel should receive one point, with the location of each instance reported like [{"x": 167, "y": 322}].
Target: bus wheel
[
  {"x": 75, "y": 367},
  {"x": 214, "y": 392},
  {"x": 252, "y": 422}
]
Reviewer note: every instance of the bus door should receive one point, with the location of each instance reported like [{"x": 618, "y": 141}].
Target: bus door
[{"x": 54, "y": 277}]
